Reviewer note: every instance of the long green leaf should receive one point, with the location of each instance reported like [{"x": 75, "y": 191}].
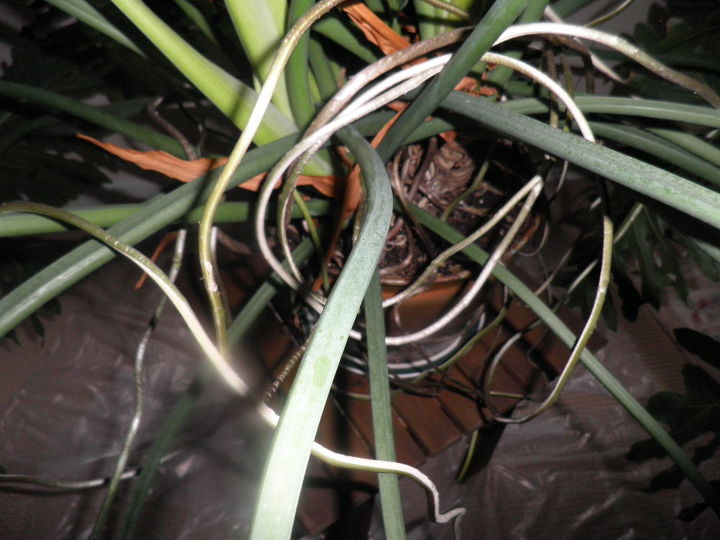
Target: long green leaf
[
  {"x": 109, "y": 215},
  {"x": 333, "y": 29},
  {"x": 691, "y": 143},
  {"x": 234, "y": 98},
  {"x": 297, "y": 73},
  {"x": 646, "y": 108},
  {"x": 428, "y": 17},
  {"x": 197, "y": 17},
  {"x": 435, "y": 18},
  {"x": 390, "y": 501},
  {"x": 533, "y": 12},
  {"x": 97, "y": 115},
  {"x": 663, "y": 149},
  {"x": 275, "y": 512},
  {"x": 496, "y": 20},
  {"x": 231, "y": 96},
  {"x": 675, "y": 191},
  {"x": 322, "y": 70},
  {"x": 711, "y": 250},
  {"x": 84, "y": 12},
  {"x": 261, "y": 27}
]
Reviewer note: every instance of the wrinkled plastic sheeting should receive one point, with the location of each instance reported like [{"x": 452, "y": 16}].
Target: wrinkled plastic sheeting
[
  {"x": 66, "y": 404},
  {"x": 565, "y": 474}
]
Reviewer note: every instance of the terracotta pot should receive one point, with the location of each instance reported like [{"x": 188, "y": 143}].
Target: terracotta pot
[{"x": 414, "y": 314}]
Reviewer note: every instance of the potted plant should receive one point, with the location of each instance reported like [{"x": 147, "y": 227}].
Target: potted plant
[{"x": 295, "y": 76}]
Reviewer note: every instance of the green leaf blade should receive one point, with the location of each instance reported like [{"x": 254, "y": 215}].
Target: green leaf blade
[{"x": 294, "y": 435}]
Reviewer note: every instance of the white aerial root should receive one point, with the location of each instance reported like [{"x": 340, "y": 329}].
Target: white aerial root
[{"x": 380, "y": 94}]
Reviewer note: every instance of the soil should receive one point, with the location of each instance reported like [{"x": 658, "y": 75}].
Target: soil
[{"x": 438, "y": 175}]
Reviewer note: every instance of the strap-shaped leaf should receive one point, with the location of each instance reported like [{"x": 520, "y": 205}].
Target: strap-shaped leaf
[
  {"x": 294, "y": 435},
  {"x": 668, "y": 188}
]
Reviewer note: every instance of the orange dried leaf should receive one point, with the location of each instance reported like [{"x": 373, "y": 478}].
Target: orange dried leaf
[
  {"x": 467, "y": 84},
  {"x": 162, "y": 162},
  {"x": 375, "y": 30},
  {"x": 327, "y": 185},
  {"x": 187, "y": 171}
]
